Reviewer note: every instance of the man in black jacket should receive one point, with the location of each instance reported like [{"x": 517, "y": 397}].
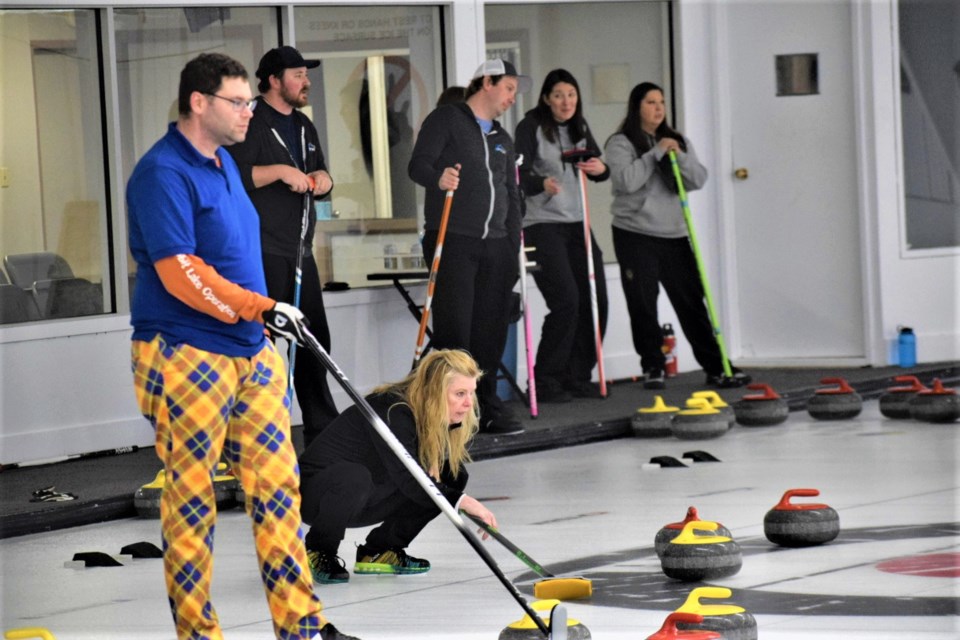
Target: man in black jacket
[
  {"x": 462, "y": 147},
  {"x": 280, "y": 161}
]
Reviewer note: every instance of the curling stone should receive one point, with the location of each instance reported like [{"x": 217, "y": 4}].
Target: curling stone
[
  {"x": 699, "y": 421},
  {"x": 225, "y": 487},
  {"x": 895, "y": 402},
  {"x": 937, "y": 404},
  {"x": 146, "y": 500},
  {"x": 527, "y": 629},
  {"x": 690, "y": 557},
  {"x": 673, "y": 529},
  {"x": 763, "y": 409},
  {"x": 719, "y": 404},
  {"x": 669, "y": 630},
  {"x": 653, "y": 421},
  {"x": 835, "y": 403},
  {"x": 730, "y": 621},
  {"x": 800, "y": 525}
]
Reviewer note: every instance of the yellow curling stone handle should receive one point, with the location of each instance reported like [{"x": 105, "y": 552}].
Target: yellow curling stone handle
[
  {"x": 693, "y": 605},
  {"x": 659, "y": 406},
  {"x": 28, "y": 632},
  {"x": 544, "y": 606},
  {"x": 689, "y": 536}
]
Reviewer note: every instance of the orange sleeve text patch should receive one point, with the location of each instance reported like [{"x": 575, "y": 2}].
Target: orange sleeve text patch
[{"x": 198, "y": 285}]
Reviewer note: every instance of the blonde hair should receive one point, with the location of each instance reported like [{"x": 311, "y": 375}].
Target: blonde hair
[{"x": 424, "y": 390}]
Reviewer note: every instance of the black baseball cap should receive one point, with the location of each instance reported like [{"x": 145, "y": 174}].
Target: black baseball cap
[{"x": 276, "y": 60}]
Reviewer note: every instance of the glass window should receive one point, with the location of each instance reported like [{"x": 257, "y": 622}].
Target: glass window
[
  {"x": 153, "y": 45},
  {"x": 580, "y": 37},
  {"x": 380, "y": 76},
  {"x": 929, "y": 81},
  {"x": 53, "y": 202}
]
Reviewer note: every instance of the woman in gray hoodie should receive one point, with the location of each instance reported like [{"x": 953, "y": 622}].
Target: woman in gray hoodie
[
  {"x": 650, "y": 236},
  {"x": 553, "y": 225}
]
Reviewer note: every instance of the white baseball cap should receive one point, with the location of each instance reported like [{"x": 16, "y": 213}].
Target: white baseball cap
[{"x": 498, "y": 67}]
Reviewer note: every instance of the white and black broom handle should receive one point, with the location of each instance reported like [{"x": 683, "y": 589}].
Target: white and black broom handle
[
  {"x": 428, "y": 485},
  {"x": 297, "y": 285}
]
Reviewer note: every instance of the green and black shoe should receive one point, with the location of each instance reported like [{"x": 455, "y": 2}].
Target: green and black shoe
[
  {"x": 327, "y": 568},
  {"x": 391, "y": 561}
]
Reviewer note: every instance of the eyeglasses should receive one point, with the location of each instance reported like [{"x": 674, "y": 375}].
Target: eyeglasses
[{"x": 238, "y": 105}]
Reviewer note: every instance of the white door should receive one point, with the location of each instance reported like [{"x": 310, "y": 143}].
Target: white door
[{"x": 795, "y": 214}]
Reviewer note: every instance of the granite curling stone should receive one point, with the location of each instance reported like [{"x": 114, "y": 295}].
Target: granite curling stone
[
  {"x": 835, "y": 403},
  {"x": 801, "y": 525},
  {"x": 146, "y": 499},
  {"x": 730, "y": 621},
  {"x": 895, "y": 402},
  {"x": 527, "y": 629},
  {"x": 669, "y": 629},
  {"x": 763, "y": 409},
  {"x": 653, "y": 421},
  {"x": 699, "y": 421},
  {"x": 719, "y": 404},
  {"x": 690, "y": 557},
  {"x": 937, "y": 404},
  {"x": 670, "y": 531}
]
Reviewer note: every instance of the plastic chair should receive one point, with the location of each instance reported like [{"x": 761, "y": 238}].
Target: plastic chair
[
  {"x": 68, "y": 297},
  {"x": 15, "y": 305},
  {"x": 26, "y": 268}
]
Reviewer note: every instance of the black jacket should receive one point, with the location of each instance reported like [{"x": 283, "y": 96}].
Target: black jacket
[
  {"x": 351, "y": 438},
  {"x": 487, "y": 203},
  {"x": 280, "y": 209}
]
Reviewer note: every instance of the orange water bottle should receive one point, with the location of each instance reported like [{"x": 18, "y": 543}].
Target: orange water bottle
[{"x": 669, "y": 349}]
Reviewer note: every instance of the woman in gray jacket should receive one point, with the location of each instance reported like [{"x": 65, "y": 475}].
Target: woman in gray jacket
[
  {"x": 553, "y": 225},
  {"x": 650, "y": 236}
]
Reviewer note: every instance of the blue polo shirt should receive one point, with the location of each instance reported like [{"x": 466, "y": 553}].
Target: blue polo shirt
[{"x": 179, "y": 201}]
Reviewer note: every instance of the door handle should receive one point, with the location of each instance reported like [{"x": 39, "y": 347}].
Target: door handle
[{"x": 741, "y": 173}]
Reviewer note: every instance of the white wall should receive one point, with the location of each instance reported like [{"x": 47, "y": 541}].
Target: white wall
[{"x": 66, "y": 387}]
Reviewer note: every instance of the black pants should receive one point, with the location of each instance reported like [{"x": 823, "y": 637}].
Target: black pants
[
  {"x": 645, "y": 263},
  {"x": 567, "y": 350},
  {"x": 344, "y": 495},
  {"x": 309, "y": 376},
  {"x": 471, "y": 303}
]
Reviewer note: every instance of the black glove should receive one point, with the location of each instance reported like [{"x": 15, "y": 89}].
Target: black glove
[{"x": 286, "y": 321}]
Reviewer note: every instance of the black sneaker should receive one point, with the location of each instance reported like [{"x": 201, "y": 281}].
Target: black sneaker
[
  {"x": 549, "y": 390},
  {"x": 327, "y": 568},
  {"x": 585, "y": 389},
  {"x": 738, "y": 379},
  {"x": 330, "y": 632},
  {"x": 654, "y": 379},
  {"x": 391, "y": 561},
  {"x": 500, "y": 423}
]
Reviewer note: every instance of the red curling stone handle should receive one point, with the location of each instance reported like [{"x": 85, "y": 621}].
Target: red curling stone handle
[
  {"x": 767, "y": 392},
  {"x": 842, "y": 386},
  {"x": 786, "y": 505}
]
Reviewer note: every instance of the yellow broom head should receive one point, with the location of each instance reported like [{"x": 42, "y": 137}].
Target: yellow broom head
[{"x": 563, "y": 588}]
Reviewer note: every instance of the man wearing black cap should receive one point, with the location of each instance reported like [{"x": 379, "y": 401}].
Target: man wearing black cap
[
  {"x": 282, "y": 165},
  {"x": 462, "y": 147}
]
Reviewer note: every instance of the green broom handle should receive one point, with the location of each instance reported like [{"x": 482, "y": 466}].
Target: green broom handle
[{"x": 688, "y": 218}]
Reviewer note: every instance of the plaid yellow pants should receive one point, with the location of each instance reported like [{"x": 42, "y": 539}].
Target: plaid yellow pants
[{"x": 202, "y": 404}]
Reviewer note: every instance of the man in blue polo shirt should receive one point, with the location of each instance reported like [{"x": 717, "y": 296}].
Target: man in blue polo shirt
[{"x": 205, "y": 375}]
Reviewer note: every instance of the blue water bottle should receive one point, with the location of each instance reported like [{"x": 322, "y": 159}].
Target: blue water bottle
[{"x": 907, "y": 347}]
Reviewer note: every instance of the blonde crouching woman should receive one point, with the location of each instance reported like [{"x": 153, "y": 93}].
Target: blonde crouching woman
[{"x": 351, "y": 478}]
